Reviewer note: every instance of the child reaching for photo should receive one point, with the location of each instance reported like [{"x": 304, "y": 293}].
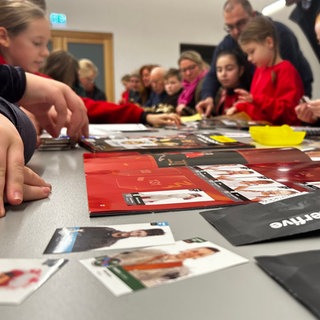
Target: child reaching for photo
[{"x": 276, "y": 86}]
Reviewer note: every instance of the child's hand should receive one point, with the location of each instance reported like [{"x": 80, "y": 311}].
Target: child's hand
[
  {"x": 244, "y": 95},
  {"x": 231, "y": 111}
]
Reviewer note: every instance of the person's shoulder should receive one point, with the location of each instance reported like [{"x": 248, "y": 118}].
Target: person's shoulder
[
  {"x": 286, "y": 67},
  {"x": 281, "y": 27},
  {"x": 227, "y": 42}
]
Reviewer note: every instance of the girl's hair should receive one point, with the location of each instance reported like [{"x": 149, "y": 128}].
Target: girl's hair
[
  {"x": 62, "y": 66},
  {"x": 145, "y": 91},
  {"x": 40, "y": 3},
  {"x": 192, "y": 56},
  {"x": 258, "y": 29},
  {"x": 241, "y": 61},
  {"x": 236, "y": 53},
  {"x": 148, "y": 67},
  {"x": 17, "y": 15}
]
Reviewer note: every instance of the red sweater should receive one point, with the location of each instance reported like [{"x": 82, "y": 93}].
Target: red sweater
[
  {"x": 276, "y": 91},
  {"x": 107, "y": 112}
]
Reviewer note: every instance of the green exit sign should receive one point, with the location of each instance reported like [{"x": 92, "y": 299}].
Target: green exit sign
[{"x": 58, "y": 19}]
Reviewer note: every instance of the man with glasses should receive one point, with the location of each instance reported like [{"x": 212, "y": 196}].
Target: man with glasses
[{"x": 236, "y": 14}]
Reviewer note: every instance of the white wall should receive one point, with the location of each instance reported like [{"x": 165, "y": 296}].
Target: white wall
[{"x": 151, "y": 31}]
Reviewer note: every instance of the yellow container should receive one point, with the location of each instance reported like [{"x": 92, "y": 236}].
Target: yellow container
[{"x": 276, "y": 135}]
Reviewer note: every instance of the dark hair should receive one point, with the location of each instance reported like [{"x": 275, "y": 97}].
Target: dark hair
[
  {"x": 257, "y": 30},
  {"x": 246, "y": 5},
  {"x": 212, "y": 249},
  {"x": 242, "y": 61},
  {"x": 154, "y": 232},
  {"x": 173, "y": 72},
  {"x": 146, "y": 91},
  {"x": 62, "y": 66}
]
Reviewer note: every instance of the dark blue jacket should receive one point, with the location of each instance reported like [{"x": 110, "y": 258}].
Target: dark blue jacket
[
  {"x": 12, "y": 87},
  {"x": 305, "y": 18}
]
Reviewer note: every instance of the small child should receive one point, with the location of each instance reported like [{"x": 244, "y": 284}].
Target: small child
[
  {"x": 276, "y": 85},
  {"x": 173, "y": 86},
  {"x": 233, "y": 71}
]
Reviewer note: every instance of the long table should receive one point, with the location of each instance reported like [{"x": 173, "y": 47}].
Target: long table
[{"x": 241, "y": 292}]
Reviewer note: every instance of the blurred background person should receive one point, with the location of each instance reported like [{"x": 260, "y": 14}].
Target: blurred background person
[
  {"x": 233, "y": 72},
  {"x": 193, "y": 71},
  {"x": 158, "y": 94},
  {"x": 133, "y": 92},
  {"x": 88, "y": 73},
  {"x": 146, "y": 90},
  {"x": 63, "y": 66},
  {"x": 304, "y": 14}
]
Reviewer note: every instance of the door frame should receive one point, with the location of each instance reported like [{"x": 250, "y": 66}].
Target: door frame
[{"x": 61, "y": 38}]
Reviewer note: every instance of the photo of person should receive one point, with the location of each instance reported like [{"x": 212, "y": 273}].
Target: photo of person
[
  {"x": 252, "y": 183},
  {"x": 173, "y": 196},
  {"x": 261, "y": 195},
  {"x": 130, "y": 271},
  {"x": 153, "y": 267},
  {"x": 229, "y": 172},
  {"x": 77, "y": 239},
  {"x": 21, "y": 277}
]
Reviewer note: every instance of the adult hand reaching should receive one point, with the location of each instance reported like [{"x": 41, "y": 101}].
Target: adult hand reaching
[
  {"x": 205, "y": 107},
  {"x": 164, "y": 119}
]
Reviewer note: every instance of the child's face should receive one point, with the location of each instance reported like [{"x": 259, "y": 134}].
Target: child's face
[
  {"x": 29, "y": 49},
  {"x": 261, "y": 54},
  {"x": 172, "y": 85},
  {"x": 135, "y": 84},
  {"x": 228, "y": 71}
]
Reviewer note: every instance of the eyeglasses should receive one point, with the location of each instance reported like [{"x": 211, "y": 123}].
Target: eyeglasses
[
  {"x": 190, "y": 68},
  {"x": 238, "y": 25},
  {"x": 89, "y": 80}
]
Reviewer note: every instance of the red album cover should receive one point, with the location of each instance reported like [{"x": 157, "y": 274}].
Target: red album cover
[{"x": 136, "y": 183}]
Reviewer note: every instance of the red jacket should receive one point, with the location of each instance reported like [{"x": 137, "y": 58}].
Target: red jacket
[
  {"x": 107, "y": 112},
  {"x": 276, "y": 92}
]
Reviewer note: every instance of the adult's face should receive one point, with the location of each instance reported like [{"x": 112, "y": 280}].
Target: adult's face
[
  {"x": 135, "y": 83},
  {"x": 145, "y": 77},
  {"x": 317, "y": 29},
  {"x": 194, "y": 253},
  {"x": 235, "y": 19},
  {"x": 157, "y": 81},
  {"x": 138, "y": 233},
  {"x": 189, "y": 70},
  {"x": 88, "y": 81}
]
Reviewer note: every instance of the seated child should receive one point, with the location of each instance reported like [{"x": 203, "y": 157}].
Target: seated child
[{"x": 276, "y": 85}]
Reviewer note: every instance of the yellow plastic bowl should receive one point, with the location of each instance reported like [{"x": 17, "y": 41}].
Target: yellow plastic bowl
[{"x": 276, "y": 135}]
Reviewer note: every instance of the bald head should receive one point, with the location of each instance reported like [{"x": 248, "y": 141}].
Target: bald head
[{"x": 157, "y": 79}]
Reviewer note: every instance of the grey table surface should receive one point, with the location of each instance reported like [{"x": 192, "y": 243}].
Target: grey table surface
[{"x": 241, "y": 292}]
